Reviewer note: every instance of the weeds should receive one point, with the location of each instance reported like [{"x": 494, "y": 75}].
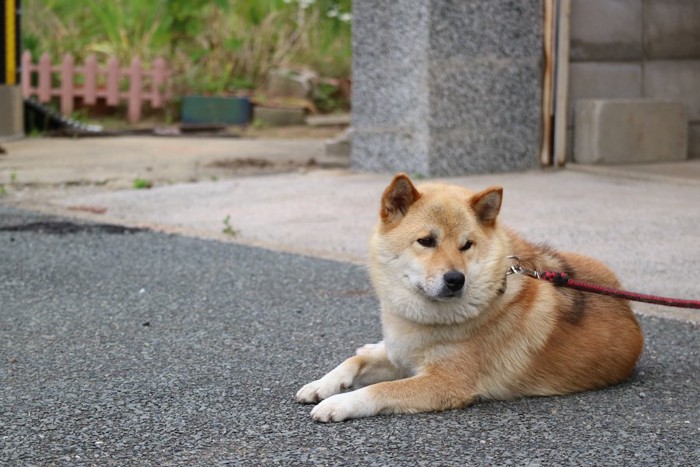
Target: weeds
[
  {"x": 142, "y": 184},
  {"x": 212, "y": 46},
  {"x": 326, "y": 98},
  {"x": 228, "y": 228},
  {"x": 258, "y": 124}
]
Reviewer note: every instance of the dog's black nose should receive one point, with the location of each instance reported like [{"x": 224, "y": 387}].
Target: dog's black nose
[{"x": 454, "y": 280}]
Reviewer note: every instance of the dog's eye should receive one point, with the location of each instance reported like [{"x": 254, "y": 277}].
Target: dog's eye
[
  {"x": 467, "y": 245},
  {"x": 428, "y": 242}
]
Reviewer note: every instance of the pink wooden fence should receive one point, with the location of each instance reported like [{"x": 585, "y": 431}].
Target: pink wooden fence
[{"x": 98, "y": 82}]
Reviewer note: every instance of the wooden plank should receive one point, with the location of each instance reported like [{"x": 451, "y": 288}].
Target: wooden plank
[
  {"x": 546, "y": 150},
  {"x": 67, "y": 72},
  {"x": 561, "y": 97},
  {"x": 90, "y": 83}
]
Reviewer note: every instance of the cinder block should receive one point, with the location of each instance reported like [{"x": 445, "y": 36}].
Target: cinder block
[
  {"x": 603, "y": 81},
  {"x": 394, "y": 35},
  {"x": 284, "y": 82},
  {"x": 388, "y": 96},
  {"x": 390, "y": 151},
  {"x": 389, "y": 64},
  {"x": 475, "y": 151},
  {"x": 274, "y": 116},
  {"x": 436, "y": 85},
  {"x": 630, "y": 130},
  {"x": 606, "y": 30},
  {"x": 464, "y": 30},
  {"x": 671, "y": 29},
  {"x": 482, "y": 118},
  {"x": 486, "y": 95},
  {"x": 677, "y": 80}
]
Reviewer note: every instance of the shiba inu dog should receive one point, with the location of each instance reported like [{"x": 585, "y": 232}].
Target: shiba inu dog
[{"x": 458, "y": 328}]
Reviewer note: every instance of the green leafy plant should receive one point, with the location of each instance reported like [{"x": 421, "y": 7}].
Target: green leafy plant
[
  {"x": 211, "y": 46},
  {"x": 327, "y": 98},
  {"x": 228, "y": 228},
  {"x": 80, "y": 115},
  {"x": 142, "y": 183},
  {"x": 258, "y": 124}
]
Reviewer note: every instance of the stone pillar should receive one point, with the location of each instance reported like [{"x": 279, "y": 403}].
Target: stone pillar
[
  {"x": 11, "y": 113},
  {"x": 446, "y": 87}
]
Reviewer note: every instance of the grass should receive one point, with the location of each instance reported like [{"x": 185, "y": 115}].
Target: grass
[
  {"x": 228, "y": 228},
  {"x": 212, "y": 46},
  {"x": 142, "y": 184}
]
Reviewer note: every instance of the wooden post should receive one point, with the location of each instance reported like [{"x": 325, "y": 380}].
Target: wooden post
[
  {"x": 90, "y": 86},
  {"x": 26, "y": 78},
  {"x": 547, "y": 111},
  {"x": 561, "y": 100},
  {"x": 67, "y": 69},
  {"x": 135, "y": 89},
  {"x": 112, "y": 81},
  {"x": 44, "y": 78}
]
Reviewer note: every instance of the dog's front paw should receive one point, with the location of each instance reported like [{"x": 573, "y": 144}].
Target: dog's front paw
[
  {"x": 342, "y": 407},
  {"x": 319, "y": 390},
  {"x": 334, "y": 382},
  {"x": 312, "y": 393}
]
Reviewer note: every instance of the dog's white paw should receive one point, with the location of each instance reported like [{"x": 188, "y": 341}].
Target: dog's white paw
[
  {"x": 334, "y": 382},
  {"x": 312, "y": 393},
  {"x": 342, "y": 407}
]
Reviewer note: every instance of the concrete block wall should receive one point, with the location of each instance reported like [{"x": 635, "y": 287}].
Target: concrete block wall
[
  {"x": 446, "y": 87},
  {"x": 630, "y": 130},
  {"x": 637, "y": 49}
]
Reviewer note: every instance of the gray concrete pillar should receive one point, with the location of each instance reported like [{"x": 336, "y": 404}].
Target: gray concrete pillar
[
  {"x": 446, "y": 87},
  {"x": 11, "y": 113}
]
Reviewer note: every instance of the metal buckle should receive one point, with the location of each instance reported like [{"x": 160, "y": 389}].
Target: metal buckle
[{"x": 519, "y": 270}]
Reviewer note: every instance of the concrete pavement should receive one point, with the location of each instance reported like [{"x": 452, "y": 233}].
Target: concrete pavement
[
  {"x": 114, "y": 163},
  {"x": 642, "y": 220}
]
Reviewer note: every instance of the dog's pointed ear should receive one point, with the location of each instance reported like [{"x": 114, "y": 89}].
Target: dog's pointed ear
[
  {"x": 487, "y": 204},
  {"x": 397, "y": 198}
]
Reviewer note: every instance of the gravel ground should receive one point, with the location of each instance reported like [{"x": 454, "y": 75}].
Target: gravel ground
[{"x": 135, "y": 348}]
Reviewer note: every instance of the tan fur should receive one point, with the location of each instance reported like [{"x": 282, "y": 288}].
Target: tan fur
[{"x": 497, "y": 337}]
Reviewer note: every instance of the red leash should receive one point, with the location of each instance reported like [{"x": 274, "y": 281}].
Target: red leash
[{"x": 562, "y": 280}]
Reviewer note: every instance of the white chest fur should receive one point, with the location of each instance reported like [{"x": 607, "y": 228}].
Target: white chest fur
[{"x": 411, "y": 346}]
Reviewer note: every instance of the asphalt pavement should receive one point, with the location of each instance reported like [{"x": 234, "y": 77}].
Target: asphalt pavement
[
  {"x": 135, "y": 331},
  {"x": 128, "y": 347}
]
